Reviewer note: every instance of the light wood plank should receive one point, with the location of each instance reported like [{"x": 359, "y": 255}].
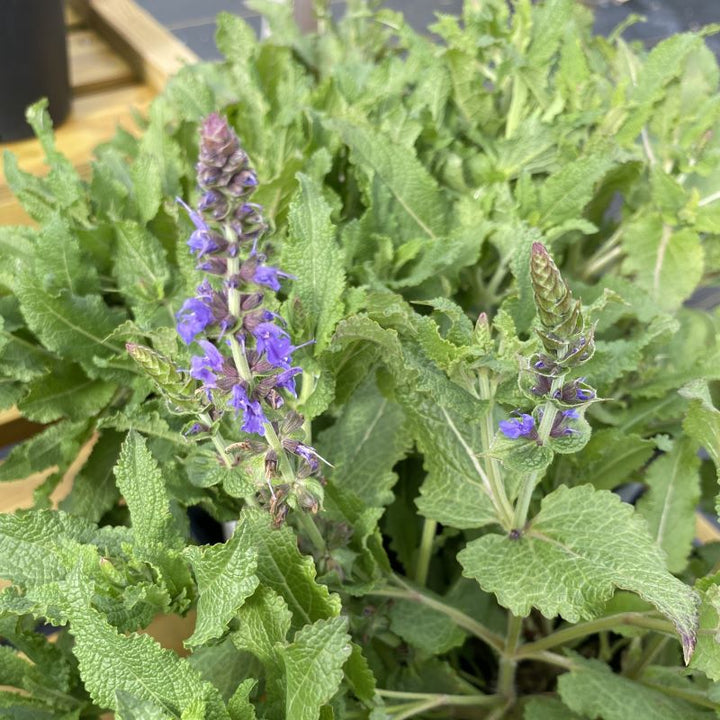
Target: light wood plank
[
  {"x": 154, "y": 52},
  {"x": 94, "y": 65}
]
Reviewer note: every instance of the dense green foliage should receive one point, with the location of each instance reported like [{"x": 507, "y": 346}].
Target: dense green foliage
[{"x": 406, "y": 179}]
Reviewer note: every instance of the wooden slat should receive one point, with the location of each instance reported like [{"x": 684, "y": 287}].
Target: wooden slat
[
  {"x": 154, "y": 52},
  {"x": 93, "y": 120},
  {"x": 94, "y": 65}
]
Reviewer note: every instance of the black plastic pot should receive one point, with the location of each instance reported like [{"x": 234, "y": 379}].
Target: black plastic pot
[{"x": 33, "y": 63}]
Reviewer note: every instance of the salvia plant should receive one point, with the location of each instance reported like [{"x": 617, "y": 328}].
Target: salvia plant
[{"x": 428, "y": 323}]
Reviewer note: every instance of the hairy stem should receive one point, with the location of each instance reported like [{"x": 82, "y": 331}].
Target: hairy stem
[
  {"x": 425, "y": 553},
  {"x": 218, "y": 442},
  {"x": 492, "y": 467},
  {"x": 577, "y": 632},
  {"x": 406, "y": 592},
  {"x": 508, "y": 663}
]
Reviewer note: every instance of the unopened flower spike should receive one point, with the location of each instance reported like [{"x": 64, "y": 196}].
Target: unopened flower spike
[{"x": 567, "y": 344}]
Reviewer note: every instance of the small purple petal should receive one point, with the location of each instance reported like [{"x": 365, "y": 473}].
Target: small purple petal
[
  {"x": 518, "y": 427},
  {"x": 571, "y": 414},
  {"x": 286, "y": 379},
  {"x": 193, "y": 317},
  {"x": 253, "y": 416}
]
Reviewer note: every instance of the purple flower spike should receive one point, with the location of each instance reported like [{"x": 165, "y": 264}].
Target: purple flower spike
[
  {"x": 584, "y": 395},
  {"x": 193, "y": 317},
  {"x": 253, "y": 416},
  {"x": 523, "y": 426}
]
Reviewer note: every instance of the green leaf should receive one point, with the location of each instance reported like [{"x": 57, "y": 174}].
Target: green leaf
[
  {"x": 707, "y": 652},
  {"x": 57, "y": 445},
  {"x": 580, "y": 547},
  {"x": 141, "y": 269},
  {"x": 264, "y": 621},
  {"x": 139, "y": 667},
  {"x": 225, "y": 575},
  {"x": 548, "y": 708},
  {"x": 609, "y": 458},
  {"x": 360, "y": 677},
  {"x": 141, "y": 483},
  {"x": 592, "y": 689},
  {"x": 670, "y": 501},
  {"x": 147, "y": 185},
  {"x": 425, "y": 628},
  {"x": 665, "y": 262},
  {"x": 234, "y": 38},
  {"x": 36, "y": 546},
  {"x": 454, "y": 491},
  {"x": 239, "y": 705},
  {"x": 130, "y": 707},
  {"x": 564, "y": 195},
  {"x": 282, "y": 568},
  {"x": 313, "y": 667},
  {"x": 313, "y": 256},
  {"x": 65, "y": 392},
  {"x": 417, "y": 198},
  {"x": 702, "y": 423},
  {"x": 365, "y": 443},
  {"x": 94, "y": 491},
  {"x": 74, "y": 327}
]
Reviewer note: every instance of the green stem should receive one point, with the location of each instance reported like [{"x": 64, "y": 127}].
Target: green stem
[
  {"x": 218, "y": 442},
  {"x": 522, "y": 506},
  {"x": 311, "y": 530},
  {"x": 474, "y": 699},
  {"x": 654, "y": 646},
  {"x": 405, "y": 592},
  {"x": 306, "y": 522},
  {"x": 492, "y": 467},
  {"x": 549, "y": 413},
  {"x": 425, "y": 554},
  {"x": 307, "y": 387},
  {"x": 576, "y": 632},
  {"x": 508, "y": 663}
]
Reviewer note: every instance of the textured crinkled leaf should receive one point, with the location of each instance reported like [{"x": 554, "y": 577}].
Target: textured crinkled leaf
[
  {"x": 239, "y": 705},
  {"x": 564, "y": 195},
  {"x": 14, "y": 706},
  {"x": 702, "y": 423},
  {"x": 263, "y": 621},
  {"x": 520, "y": 454},
  {"x": 130, "y": 707},
  {"x": 312, "y": 255},
  {"x": 36, "y": 545},
  {"x": 147, "y": 185},
  {"x": 666, "y": 263},
  {"x": 282, "y": 568},
  {"x": 74, "y": 327},
  {"x": 139, "y": 667},
  {"x": 365, "y": 443},
  {"x": 580, "y": 547},
  {"x": 707, "y": 651},
  {"x": 453, "y": 491},
  {"x": 59, "y": 263},
  {"x": 225, "y": 575},
  {"x": 416, "y": 195},
  {"x": 594, "y": 690},
  {"x": 141, "y": 268},
  {"x": 57, "y": 445},
  {"x": 669, "y": 503},
  {"x": 425, "y": 628},
  {"x": 94, "y": 492},
  {"x": 313, "y": 667},
  {"x": 359, "y": 676},
  {"x": 142, "y": 485},
  {"x": 65, "y": 392}
]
